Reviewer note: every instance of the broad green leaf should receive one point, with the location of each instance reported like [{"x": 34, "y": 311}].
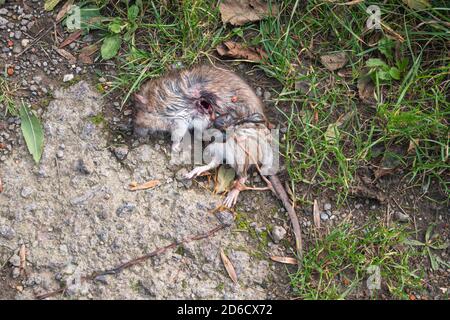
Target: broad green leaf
[
  {"x": 32, "y": 132},
  {"x": 440, "y": 246},
  {"x": 225, "y": 178},
  {"x": 110, "y": 46},
  {"x": 49, "y": 5},
  {"x": 413, "y": 242},
  {"x": 417, "y": 4},
  {"x": 385, "y": 46},
  {"x": 376, "y": 63},
  {"x": 394, "y": 73},
  {"x": 133, "y": 12},
  {"x": 434, "y": 263},
  {"x": 384, "y": 75},
  {"x": 115, "y": 27}
]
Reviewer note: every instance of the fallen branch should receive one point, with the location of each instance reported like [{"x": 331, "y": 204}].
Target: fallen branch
[{"x": 135, "y": 261}]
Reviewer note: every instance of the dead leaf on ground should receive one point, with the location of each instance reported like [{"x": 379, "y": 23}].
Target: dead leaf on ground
[
  {"x": 147, "y": 185},
  {"x": 334, "y": 61},
  {"x": 239, "y": 12},
  {"x": 367, "y": 192},
  {"x": 64, "y": 10},
  {"x": 412, "y": 145},
  {"x": 71, "y": 38},
  {"x": 285, "y": 260},
  {"x": 331, "y": 135},
  {"x": 366, "y": 89},
  {"x": 316, "y": 214},
  {"x": 66, "y": 54},
  {"x": 1, "y": 185},
  {"x": 225, "y": 177},
  {"x": 86, "y": 53},
  {"x": 228, "y": 266},
  {"x": 382, "y": 171},
  {"x": 236, "y": 50},
  {"x": 22, "y": 258},
  {"x": 417, "y": 4}
]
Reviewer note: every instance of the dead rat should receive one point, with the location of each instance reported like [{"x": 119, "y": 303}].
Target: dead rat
[
  {"x": 248, "y": 144},
  {"x": 192, "y": 99}
]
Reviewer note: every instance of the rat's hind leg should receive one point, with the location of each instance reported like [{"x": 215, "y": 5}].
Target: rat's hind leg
[
  {"x": 232, "y": 196},
  {"x": 239, "y": 185}
]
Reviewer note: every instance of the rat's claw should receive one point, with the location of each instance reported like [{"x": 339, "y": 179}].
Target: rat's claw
[{"x": 231, "y": 198}]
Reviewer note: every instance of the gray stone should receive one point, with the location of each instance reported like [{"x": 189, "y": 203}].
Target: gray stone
[
  {"x": 225, "y": 217},
  {"x": 3, "y": 21},
  {"x": 324, "y": 216},
  {"x": 7, "y": 232},
  {"x": 125, "y": 209},
  {"x": 15, "y": 260},
  {"x": 180, "y": 176},
  {"x": 68, "y": 77},
  {"x": 26, "y": 192},
  {"x": 327, "y": 206},
  {"x": 121, "y": 152},
  {"x": 278, "y": 234}
]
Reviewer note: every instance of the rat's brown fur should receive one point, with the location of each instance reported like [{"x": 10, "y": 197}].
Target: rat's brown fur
[{"x": 192, "y": 98}]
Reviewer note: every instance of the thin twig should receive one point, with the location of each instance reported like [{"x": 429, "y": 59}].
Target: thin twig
[
  {"x": 135, "y": 261},
  {"x": 43, "y": 34}
]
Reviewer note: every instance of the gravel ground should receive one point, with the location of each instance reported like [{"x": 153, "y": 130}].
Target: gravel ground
[{"x": 75, "y": 215}]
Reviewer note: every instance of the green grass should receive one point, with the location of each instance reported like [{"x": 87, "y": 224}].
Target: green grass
[
  {"x": 7, "y": 104},
  {"x": 340, "y": 263},
  {"x": 411, "y": 111}
]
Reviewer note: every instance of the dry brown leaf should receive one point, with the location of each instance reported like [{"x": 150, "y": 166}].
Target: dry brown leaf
[
  {"x": 285, "y": 260},
  {"x": 239, "y": 12},
  {"x": 71, "y": 38},
  {"x": 23, "y": 258},
  {"x": 381, "y": 172},
  {"x": 334, "y": 61},
  {"x": 1, "y": 185},
  {"x": 366, "y": 89},
  {"x": 316, "y": 214},
  {"x": 66, "y": 54},
  {"x": 236, "y": 50},
  {"x": 412, "y": 145},
  {"x": 228, "y": 266},
  {"x": 86, "y": 53},
  {"x": 148, "y": 185},
  {"x": 65, "y": 8}
]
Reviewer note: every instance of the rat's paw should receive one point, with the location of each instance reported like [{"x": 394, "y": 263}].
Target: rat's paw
[
  {"x": 194, "y": 173},
  {"x": 231, "y": 199}
]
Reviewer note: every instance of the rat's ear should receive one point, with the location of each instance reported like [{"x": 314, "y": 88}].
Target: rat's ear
[{"x": 140, "y": 99}]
